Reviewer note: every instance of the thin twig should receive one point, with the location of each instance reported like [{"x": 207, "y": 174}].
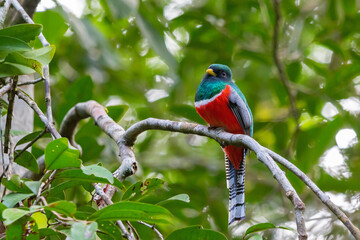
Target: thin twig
[
  {"x": 38, "y": 111},
  {"x": 153, "y": 228},
  {"x": 44, "y": 184},
  {"x": 1, "y": 142},
  {"x": 30, "y": 143},
  {"x": 11, "y": 98},
  {"x": 31, "y": 82},
  {"x": 283, "y": 77}
]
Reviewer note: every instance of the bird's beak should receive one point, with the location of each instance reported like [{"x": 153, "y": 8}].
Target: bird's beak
[{"x": 210, "y": 71}]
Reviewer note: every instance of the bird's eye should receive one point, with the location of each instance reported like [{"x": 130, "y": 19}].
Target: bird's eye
[{"x": 223, "y": 74}]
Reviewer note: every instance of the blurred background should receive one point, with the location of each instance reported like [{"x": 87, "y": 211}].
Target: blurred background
[{"x": 149, "y": 57}]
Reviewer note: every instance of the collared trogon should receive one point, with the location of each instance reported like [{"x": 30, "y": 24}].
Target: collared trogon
[{"x": 221, "y": 104}]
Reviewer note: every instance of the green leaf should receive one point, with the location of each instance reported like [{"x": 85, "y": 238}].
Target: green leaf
[
  {"x": 133, "y": 211},
  {"x": 110, "y": 229},
  {"x": 58, "y": 155},
  {"x": 33, "y": 186},
  {"x": 2, "y": 208},
  {"x": 44, "y": 55},
  {"x": 254, "y": 237},
  {"x": 27, "y": 160},
  {"x": 31, "y": 136},
  {"x": 15, "y": 184},
  {"x": 54, "y": 26},
  {"x": 12, "y": 44},
  {"x": 262, "y": 227},
  {"x": 63, "y": 207},
  {"x": 12, "y": 214},
  {"x": 25, "y": 32},
  {"x": 78, "y": 175},
  {"x": 156, "y": 41},
  {"x": 139, "y": 189},
  {"x": 13, "y": 198},
  {"x": 98, "y": 171},
  {"x": 47, "y": 233},
  {"x": 83, "y": 231},
  {"x": 195, "y": 233},
  {"x": 179, "y": 197},
  {"x": 116, "y": 112},
  {"x": 13, "y": 69}
]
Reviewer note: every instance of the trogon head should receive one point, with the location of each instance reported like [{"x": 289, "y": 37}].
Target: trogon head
[{"x": 218, "y": 72}]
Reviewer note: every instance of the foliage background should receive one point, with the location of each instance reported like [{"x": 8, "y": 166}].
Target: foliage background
[{"x": 151, "y": 55}]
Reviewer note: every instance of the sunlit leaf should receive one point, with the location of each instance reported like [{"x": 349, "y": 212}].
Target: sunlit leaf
[
  {"x": 98, "y": 171},
  {"x": 58, "y": 155},
  {"x": 133, "y": 211},
  {"x": 12, "y": 214}
]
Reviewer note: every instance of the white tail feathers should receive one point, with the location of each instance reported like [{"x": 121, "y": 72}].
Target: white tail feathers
[{"x": 235, "y": 180}]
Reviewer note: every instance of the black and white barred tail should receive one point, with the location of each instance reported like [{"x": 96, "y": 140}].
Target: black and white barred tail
[{"x": 235, "y": 180}]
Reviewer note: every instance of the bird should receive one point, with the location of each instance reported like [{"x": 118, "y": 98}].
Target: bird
[{"x": 219, "y": 101}]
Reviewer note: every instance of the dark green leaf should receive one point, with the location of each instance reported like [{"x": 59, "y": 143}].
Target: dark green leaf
[
  {"x": 2, "y": 208},
  {"x": 27, "y": 160},
  {"x": 58, "y": 155},
  {"x": 15, "y": 184},
  {"x": 78, "y": 175},
  {"x": 110, "y": 229},
  {"x": 62, "y": 207},
  {"x": 31, "y": 136},
  {"x": 25, "y": 32},
  {"x": 133, "y": 211},
  {"x": 12, "y": 44},
  {"x": 195, "y": 233},
  {"x": 262, "y": 227}
]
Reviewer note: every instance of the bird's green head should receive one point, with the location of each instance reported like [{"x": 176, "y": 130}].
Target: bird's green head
[{"x": 218, "y": 71}]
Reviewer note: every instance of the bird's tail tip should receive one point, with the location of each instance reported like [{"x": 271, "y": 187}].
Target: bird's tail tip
[{"x": 237, "y": 214}]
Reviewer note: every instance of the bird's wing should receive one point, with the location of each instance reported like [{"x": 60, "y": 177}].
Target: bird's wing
[{"x": 241, "y": 112}]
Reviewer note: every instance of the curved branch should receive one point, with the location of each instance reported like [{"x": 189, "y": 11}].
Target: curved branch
[
  {"x": 126, "y": 140},
  {"x": 97, "y": 112}
]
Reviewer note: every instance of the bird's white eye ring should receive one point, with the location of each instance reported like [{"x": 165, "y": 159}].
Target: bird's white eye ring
[{"x": 223, "y": 74}]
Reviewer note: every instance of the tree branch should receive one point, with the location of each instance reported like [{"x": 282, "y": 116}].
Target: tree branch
[
  {"x": 50, "y": 127},
  {"x": 126, "y": 140},
  {"x": 9, "y": 115},
  {"x": 5, "y": 89}
]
